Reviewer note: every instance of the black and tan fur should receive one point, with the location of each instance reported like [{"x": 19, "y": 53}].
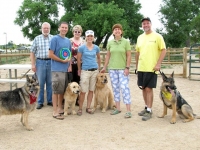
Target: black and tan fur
[
  {"x": 172, "y": 99},
  {"x": 103, "y": 94},
  {"x": 70, "y": 96},
  {"x": 18, "y": 100}
]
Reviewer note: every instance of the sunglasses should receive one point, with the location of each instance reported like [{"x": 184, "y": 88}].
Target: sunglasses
[{"x": 77, "y": 32}]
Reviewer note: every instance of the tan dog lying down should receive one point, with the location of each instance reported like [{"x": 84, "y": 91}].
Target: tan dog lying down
[
  {"x": 103, "y": 94},
  {"x": 70, "y": 97}
]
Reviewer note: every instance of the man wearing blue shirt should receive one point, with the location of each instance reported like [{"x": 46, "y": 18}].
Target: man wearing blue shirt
[{"x": 59, "y": 68}]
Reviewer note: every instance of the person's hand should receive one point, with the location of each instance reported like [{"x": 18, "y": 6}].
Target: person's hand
[
  {"x": 79, "y": 72},
  {"x": 33, "y": 68},
  {"x": 126, "y": 72},
  {"x": 69, "y": 69},
  {"x": 157, "y": 67},
  {"x": 103, "y": 70},
  {"x": 66, "y": 60}
]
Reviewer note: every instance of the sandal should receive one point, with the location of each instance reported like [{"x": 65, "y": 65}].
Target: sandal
[
  {"x": 115, "y": 112},
  {"x": 89, "y": 111},
  {"x": 59, "y": 117},
  {"x": 79, "y": 113},
  {"x": 128, "y": 115}
]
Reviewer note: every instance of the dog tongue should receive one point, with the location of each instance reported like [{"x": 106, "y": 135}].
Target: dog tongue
[{"x": 33, "y": 94}]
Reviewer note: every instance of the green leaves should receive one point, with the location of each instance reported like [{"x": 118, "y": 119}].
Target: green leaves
[
  {"x": 177, "y": 16},
  {"x": 32, "y": 13}
]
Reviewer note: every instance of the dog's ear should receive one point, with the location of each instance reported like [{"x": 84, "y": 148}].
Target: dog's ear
[
  {"x": 27, "y": 78},
  {"x": 172, "y": 75},
  {"x": 164, "y": 77},
  {"x": 97, "y": 78},
  {"x": 68, "y": 88}
]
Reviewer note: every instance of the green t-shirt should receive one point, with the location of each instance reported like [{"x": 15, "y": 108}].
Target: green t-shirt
[
  {"x": 118, "y": 51},
  {"x": 149, "y": 46}
]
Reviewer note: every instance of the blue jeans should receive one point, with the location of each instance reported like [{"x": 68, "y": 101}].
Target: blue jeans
[{"x": 43, "y": 71}]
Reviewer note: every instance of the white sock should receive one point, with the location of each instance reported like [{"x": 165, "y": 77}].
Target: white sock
[{"x": 149, "y": 109}]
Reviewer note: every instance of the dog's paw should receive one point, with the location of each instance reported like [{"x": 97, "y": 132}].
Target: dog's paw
[
  {"x": 29, "y": 128},
  {"x": 161, "y": 116},
  {"x": 173, "y": 121},
  {"x": 74, "y": 113},
  {"x": 65, "y": 114},
  {"x": 103, "y": 110}
]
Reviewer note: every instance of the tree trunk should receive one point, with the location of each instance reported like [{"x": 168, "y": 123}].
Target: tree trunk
[{"x": 106, "y": 40}]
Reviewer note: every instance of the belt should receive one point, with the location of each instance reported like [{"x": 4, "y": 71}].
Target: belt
[
  {"x": 44, "y": 58},
  {"x": 92, "y": 69}
]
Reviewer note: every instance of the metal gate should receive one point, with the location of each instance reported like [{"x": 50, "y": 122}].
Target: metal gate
[{"x": 194, "y": 62}]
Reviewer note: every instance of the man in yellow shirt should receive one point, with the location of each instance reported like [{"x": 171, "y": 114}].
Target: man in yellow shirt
[{"x": 150, "y": 52}]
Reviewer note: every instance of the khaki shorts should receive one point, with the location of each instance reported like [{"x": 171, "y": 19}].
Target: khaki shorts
[
  {"x": 88, "y": 80},
  {"x": 59, "y": 82}
]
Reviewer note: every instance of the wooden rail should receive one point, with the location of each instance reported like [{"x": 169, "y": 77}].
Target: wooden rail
[{"x": 174, "y": 56}]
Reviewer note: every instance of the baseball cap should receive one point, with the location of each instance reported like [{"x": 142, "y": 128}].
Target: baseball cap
[
  {"x": 146, "y": 18},
  {"x": 89, "y": 32}
]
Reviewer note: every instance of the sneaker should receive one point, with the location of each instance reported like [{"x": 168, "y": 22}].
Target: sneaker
[
  {"x": 49, "y": 104},
  {"x": 39, "y": 106},
  {"x": 142, "y": 112},
  {"x": 147, "y": 116}
]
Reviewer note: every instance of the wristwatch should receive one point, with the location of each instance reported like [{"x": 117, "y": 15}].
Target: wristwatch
[{"x": 127, "y": 68}]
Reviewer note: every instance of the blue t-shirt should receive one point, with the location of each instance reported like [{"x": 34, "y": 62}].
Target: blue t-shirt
[
  {"x": 57, "y": 43},
  {"x": 88, "y": 57}
]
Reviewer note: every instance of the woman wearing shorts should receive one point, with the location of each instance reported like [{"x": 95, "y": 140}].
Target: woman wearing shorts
[{"x": 89, "y": 55}]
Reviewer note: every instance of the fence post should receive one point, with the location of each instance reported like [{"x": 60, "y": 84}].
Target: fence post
[{"x": 185, "y": 62}]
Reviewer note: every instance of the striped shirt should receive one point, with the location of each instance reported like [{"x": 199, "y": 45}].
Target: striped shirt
[{"x": 40, "y": 46}]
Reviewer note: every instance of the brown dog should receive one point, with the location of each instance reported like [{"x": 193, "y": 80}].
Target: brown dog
[
  {"x": 103, "y": 94},
  {"x": 70, "y": 97},
  {"x": 172, "y": 99}
]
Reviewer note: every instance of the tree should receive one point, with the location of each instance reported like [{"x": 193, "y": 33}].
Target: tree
[
  {"x": 176, "y": 17},
  {"x": 33, "y": 13},
  {"x": 195, "y": 32},
  {"x": 101, "y": 15}
]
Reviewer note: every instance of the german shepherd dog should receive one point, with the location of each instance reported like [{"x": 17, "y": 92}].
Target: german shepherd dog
[
  {"x": 172, "y": 99},
  {"x": 21, "y": 100}
]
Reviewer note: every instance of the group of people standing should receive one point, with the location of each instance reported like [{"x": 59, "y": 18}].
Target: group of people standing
[{"x": 85, "y": 64}]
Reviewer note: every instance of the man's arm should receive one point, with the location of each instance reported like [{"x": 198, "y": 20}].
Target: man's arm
[
  {"x": 137, "y": 54},
  {"x": 162, "y": 56},
  {"x": 32, "y": 57}
]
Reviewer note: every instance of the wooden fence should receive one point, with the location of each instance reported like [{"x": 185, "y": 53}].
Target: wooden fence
[{"x": 174, "y": 56}]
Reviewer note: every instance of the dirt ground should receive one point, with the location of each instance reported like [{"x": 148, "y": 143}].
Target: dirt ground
[{"x": 101, "y": 131}]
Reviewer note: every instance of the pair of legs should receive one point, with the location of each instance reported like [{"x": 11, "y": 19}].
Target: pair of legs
[
  {"x": 89, "y": 99},
  {"x": 119, "y": 84},
  {"x": 147, "y": 81},
  {"x": 57, "y": 104},
  {"x": 87, "y": 84},
  {"x": 44, "y": 77},
  {"x": 59, "y": 84},
  {"x": 148, "y": 97}
]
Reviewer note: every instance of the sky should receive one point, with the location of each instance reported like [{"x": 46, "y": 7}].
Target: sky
[{"x": 8, "y": 9}]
